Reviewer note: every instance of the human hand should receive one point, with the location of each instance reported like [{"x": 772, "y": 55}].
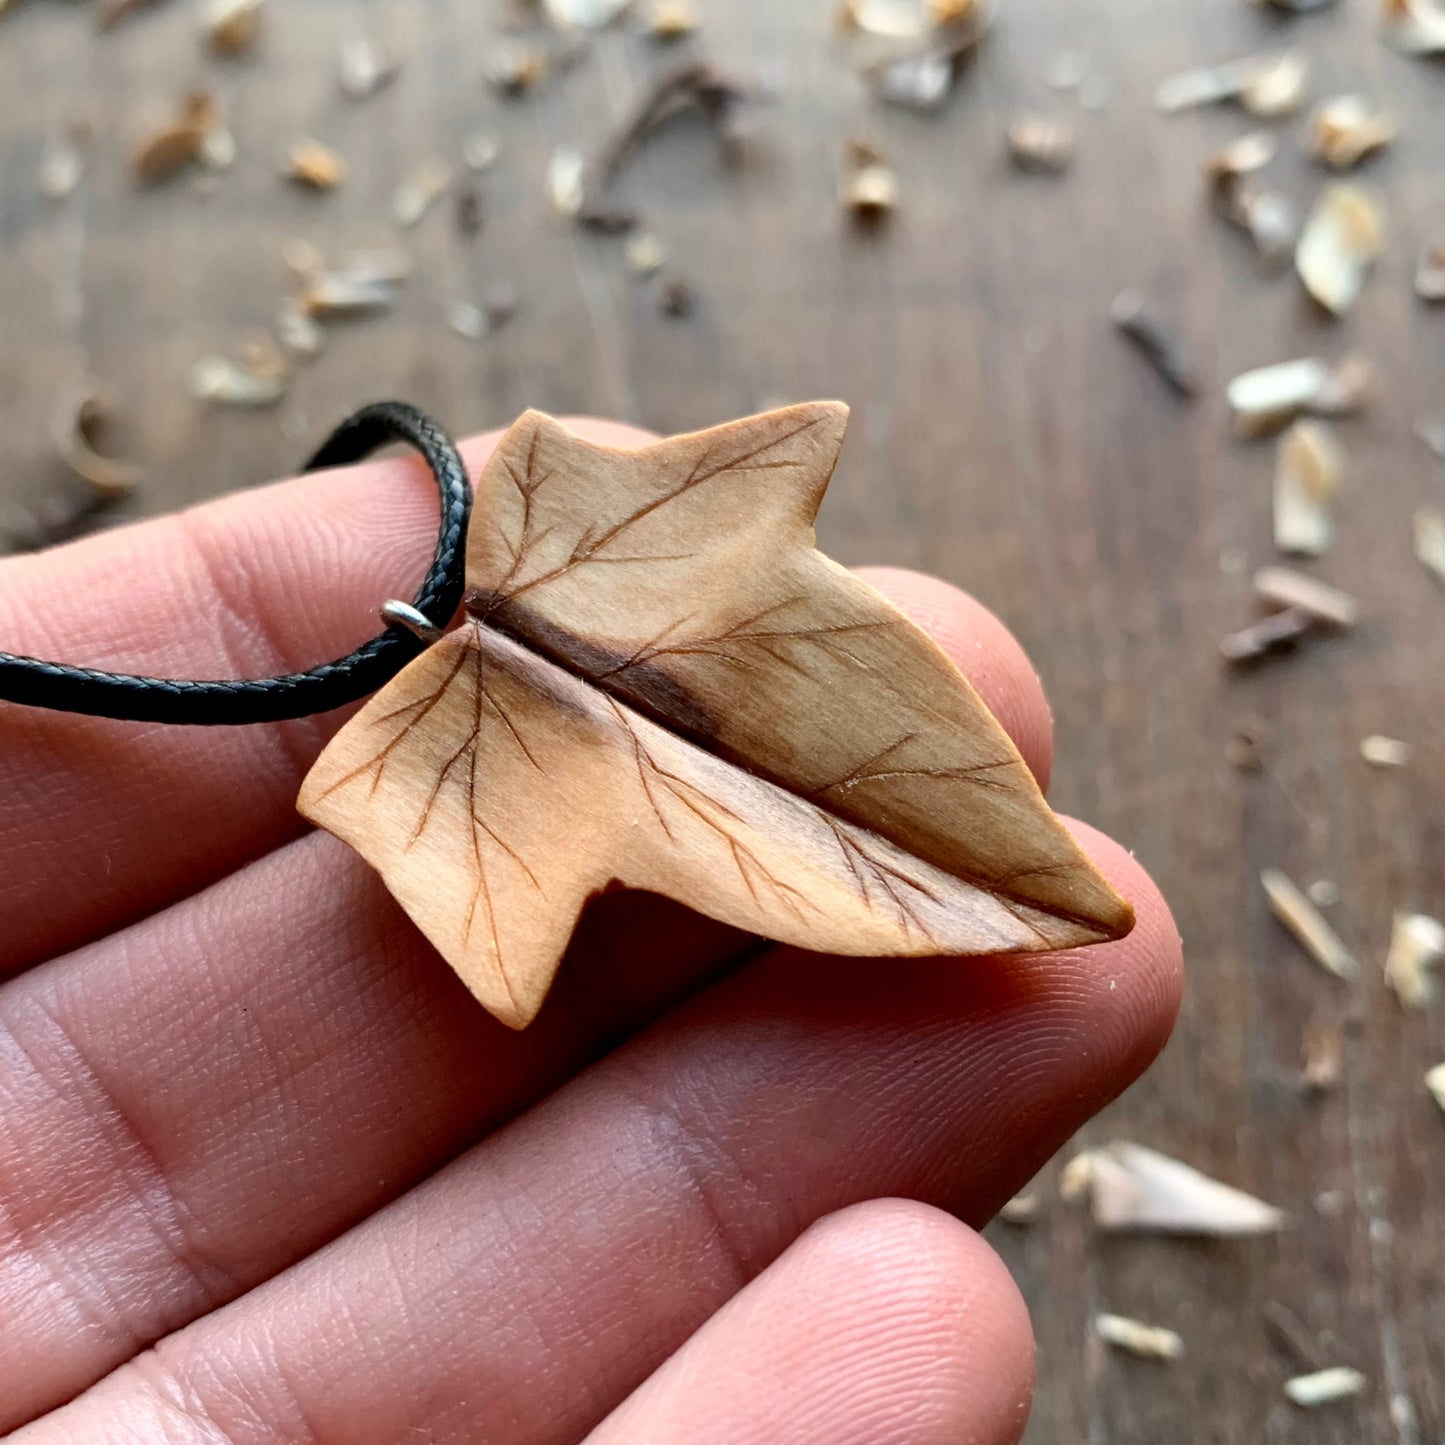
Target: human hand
[{"x": 262, "y": 1175}]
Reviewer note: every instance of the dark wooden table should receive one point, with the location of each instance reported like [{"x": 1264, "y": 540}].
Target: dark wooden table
[{"x": 1003, "y": 437}]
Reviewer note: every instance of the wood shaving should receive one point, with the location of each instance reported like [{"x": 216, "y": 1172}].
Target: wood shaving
[
  {"x": 1022, "y": 1209},
  {"x": 77, "y": 418},
  {"x": 1036, "y": 143},
  {"x": 361, "y": 283},
  {"x": 514, "y": 67},
  {"x": 676, "y": 297},
  {"x": 419, "y": 192},
  {"x": 179, "y": 142},
  {"x": 905, "y": 19},
  {"x": 1264, "y": 86},
  {"x": 1164, "y": 349},
  {"x": 1341, "y": 240},
  {"x": 1430, "y": 541},
  {"x": 1243, "y": 157},
  {"x": 1283, "y": 588},
  {"x": 467, "y": 320},
  {"x": 218, "y": 149},
  {"x": 1430, "y": 273},
  {"x": 1269, "y": 634},
  {"x": 1417, "y": 944},
  {"x": 923, "y": 79},
  {"x": 62, "y": 166},
  {"x": 1416, "y": 27},
  {"x": 1382, "y": 752},
  {"x": 365, "y": 69},
  {"x": 1324, "y": 1387},
  {"x": 298, "y": 332},
  {"x": 1309, "y": 927},
  {"x": 1151, "y": 1342},
  {"x": 584, "y": 14},
  {"x": 1435, "y": 1082},
  {"x": 257, "y": 381},
  {"x": 1324, "y": 1050},
  {"x": 317, "y": 166},
  {"x": 869, "y": 186},
  {"x": 1346, "y": 130},
  {"x": 1308, "y": 471},
  {"x": 231, "y": 26},
  {"x": 566, "y": 182},
  {"x": 669, "y": 20},
  {"x": 646, "y": 255},
  {"x": 1133, "y": 1188},
  {"x": 1245, "y": 751},
  {"x": 480, "y": 151},
  {"x": 1269, "y": 397}
]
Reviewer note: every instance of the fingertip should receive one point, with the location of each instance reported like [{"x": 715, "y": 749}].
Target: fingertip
[{"x": 984, "y": 650}]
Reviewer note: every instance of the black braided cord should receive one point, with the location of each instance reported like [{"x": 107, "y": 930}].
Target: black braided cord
[{"x": 32, "y": 682}]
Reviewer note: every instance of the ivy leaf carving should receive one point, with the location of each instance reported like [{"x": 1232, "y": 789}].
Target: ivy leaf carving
[{"x": 659, "y": 681}]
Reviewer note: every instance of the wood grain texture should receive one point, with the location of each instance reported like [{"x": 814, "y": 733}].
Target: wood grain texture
[
  {"x": 660, "y": 683},
  {"x": 1002, "y": 437}
]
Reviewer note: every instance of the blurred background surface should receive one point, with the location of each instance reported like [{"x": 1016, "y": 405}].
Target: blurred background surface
[{"x": 1003, "y": 436}]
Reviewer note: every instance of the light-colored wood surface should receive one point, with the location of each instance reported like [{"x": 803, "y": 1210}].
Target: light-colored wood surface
[
  {"x": 1002, "y": 437},
  {"x": 660, "y": 682}
]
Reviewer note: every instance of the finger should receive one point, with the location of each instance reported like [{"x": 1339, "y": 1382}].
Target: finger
[
  {"x": 120, "y": 819},
  {"x": 168, "y": 1129},
  {"x": 887, "y": 1324},
  {"x": 527, "y": 1289}
]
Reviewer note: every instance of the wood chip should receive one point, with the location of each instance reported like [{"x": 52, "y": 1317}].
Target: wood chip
[
  {"x": 1417, "y": 944},
  {"x": 298, "y": 332},
  {"x": 1430, "y": 273},
  {"x": 646, "y": 255},
  {"x": 1416, "y": 27},
  {"x": 1283, "y": 588},
  {"x": 775, "y": 821},
  {"x": 1265, "y": 86},
  {"x": 317, "y": 166},
  {"x": 1430, "y": 541},
  {"x": 1341, "y": 240},
  {"x": 1308, "y": 470},
  {"x": 62, "y": 164},
  {"x": 261, "y": 380},
  {"x": 1245, "y": 751},
  {"x": 1022, "y": 1209},
  {"x": 923, "y": 79},
  {"x": 907, "y": 19},
  {"x": 1269, "y": 634},
  {"x": 1237, "y": 194},
  {"x": 1134, "y": 1188},
  {"x": 670, "y": 20},
  {"x": 584, "y": 14},
  {"x": 1270, "y": 397},
  {"x": 1382, "y": 752},
  {"x": 515, "y": 67},
  {"x": 869, "y": 186},
  {"x": 419, "y": 192},
  {"x": 1324, "y": 1387},
  {"x": 1308, "y": 925},
  {"x": 76, "y": 420},
  {"x": 1162, "y": 346},
  {"x": 1037, "y": 143},
  {"x": 1435, "y": 1082},
  {"x": 467, "y": 320},
  {"x": 1324, "y": 1050},
  {"x": 1345, "y": 130},
  {"x": 365, "y": 69},
  {"x": 480, "y": 151},
  {"x": 332, "y": 294},
  {"x": 1151, "y": 1342},
  {"x": 566, "y": 182},
  {"x": 178, "y": 143},
  {"x": 1323, "y": 894},
  {"x": 231, "y": 26}
]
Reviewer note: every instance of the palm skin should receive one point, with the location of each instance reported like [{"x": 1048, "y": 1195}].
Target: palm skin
[{"x": 267, "y": 1174}]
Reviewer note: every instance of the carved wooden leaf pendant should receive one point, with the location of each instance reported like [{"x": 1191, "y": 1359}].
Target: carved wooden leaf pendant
[{"x": 660, "y": 681}]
